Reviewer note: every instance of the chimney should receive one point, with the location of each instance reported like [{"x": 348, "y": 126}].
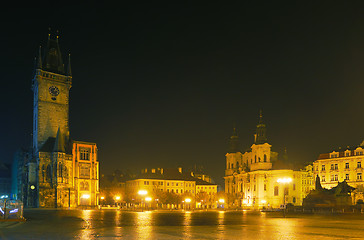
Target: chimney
[
  {"x": 161, "y": 170},
  {"x": 153, "y": 170},
  {"x": 180, "y": 169}
]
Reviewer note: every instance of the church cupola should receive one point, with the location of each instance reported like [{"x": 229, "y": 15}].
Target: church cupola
[
  {"x": 234, "y": 142},
  {"x": 260, "y": 134}
]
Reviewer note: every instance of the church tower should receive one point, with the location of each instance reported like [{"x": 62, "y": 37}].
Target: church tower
[{"x": 51, "y": 86}]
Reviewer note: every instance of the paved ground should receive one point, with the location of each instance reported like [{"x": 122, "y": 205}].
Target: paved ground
[{"x": 113, "y": 224}]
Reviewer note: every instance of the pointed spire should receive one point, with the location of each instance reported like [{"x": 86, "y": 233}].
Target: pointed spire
[
  {"x": 260, "y": 134},
  {"x": 69, "y": 71},
  {"x": 260, "y": 116},
  {"x": 59, "y": 144},
  {"x": 39, "y": 60},
  {"x": 52, "y": 56},
  {"x": 234, "y": 142}
]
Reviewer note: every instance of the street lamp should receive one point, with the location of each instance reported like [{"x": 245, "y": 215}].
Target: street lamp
[
  {"x": 147, "y": 200},
  {"x": 142, "y": 193},
  {"x": 284, "y": 181},
  {"x": 221, "y": 201},
  {"x": 188, "y": 201}
]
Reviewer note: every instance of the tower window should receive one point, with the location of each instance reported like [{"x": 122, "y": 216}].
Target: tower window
[
  {"x": 85, "y": 153},
  {"x": 265, "y": 158}
]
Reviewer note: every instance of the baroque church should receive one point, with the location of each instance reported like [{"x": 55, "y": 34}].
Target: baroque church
[
  {"x": 61, "y": 172},
  {"x": 258, "y": 178}
]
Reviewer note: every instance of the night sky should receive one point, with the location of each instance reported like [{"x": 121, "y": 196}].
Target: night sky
[{"x": 162, "y": 85}]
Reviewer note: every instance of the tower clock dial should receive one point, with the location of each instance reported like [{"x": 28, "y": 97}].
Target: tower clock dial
[{"x": 54, "y": 91}]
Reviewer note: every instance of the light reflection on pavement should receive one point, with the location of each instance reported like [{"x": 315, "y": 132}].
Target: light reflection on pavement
[{"x": 115, "y": 224}]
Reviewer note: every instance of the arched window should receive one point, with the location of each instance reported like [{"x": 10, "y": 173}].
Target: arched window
[
  {"x": 265, "y": 158},
  {"x": 65, "y": 174},
  {"x": 43, "y": 173},
  {"x": 60, "y": 169},
  {"x": 49, "y": 173}
]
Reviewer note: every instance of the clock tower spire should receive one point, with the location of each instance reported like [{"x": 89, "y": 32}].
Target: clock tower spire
[{"x": 51, "y": 86}]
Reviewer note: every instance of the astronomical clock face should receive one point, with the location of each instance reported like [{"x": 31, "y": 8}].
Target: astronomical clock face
[{"x": 54, "y": 91}]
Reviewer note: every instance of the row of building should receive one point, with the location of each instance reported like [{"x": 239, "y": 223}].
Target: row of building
[
  {"x": 260, "y": 178},
  {"x": 166, "y": 188}
]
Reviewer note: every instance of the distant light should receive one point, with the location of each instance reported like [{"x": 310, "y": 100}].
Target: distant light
[
  {"x": 14, "y": 210},
  {"x": 245, "y": 201},
  {"x": 188, "y": 200},
  {"x": 284, "y": 180},
  {"x": 32, "y": 187},
  {"x": 102, "y": 198},
  {"x": 117, "y": 197},
  {"x": 148, "y": 199},
  {"x": 85, "y": 196},
  {"x": 221, "y": 200},
  {"x": 263, "y": 201},
  {"x": 2, "y": 211},
  {"x": 4, "y": 196},
  {"x": 142, "y": 192}
]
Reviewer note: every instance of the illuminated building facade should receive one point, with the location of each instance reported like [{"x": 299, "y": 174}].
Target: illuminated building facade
[
  {"x": 257, "y": 178},
  {"x": 342, "y": 165},
  {"x": 62, "y": 172},
  {"x": 158, "y": 182}
]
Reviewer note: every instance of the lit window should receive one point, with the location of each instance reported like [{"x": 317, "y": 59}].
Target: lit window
[
  {"x": 347, "y": 176},
  {"x": 358, "y": 165},
  {"x": 276, "y": 191},
  {"x": 358, "y": 176},
  {"x": 323, "y": 179}
]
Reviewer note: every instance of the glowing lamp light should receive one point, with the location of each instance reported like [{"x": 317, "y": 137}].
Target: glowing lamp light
[
  {"x": 142, "y": 192},
  {"x": 245, "y": 201},
  {"x": 284, "y": 180},
  {"x": 221, "y": 200},
  {"x": 188, "y": 200},
  {"x": 102, "y": 198},
  {"x": 117, "y": 197},
  {"x": 148, "y": 199},
  {"x": 85, "y": 196},
  {"x": 263, "y": 201},
  {"x": 32, "y": 187}
]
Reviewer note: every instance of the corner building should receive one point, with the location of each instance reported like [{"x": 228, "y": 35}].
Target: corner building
[
  {"x": 344, "y": 164},
  {"x": 62, "y": 172},
  {"x": 253, "y": 178}
]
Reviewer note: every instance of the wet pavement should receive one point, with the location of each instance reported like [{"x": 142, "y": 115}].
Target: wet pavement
[{"x": 115, "y": 224}]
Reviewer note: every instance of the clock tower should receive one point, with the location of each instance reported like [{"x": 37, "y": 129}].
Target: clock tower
[{"x": 51, "y": 86}]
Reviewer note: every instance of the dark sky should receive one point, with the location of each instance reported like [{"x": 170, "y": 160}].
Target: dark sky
[{"x": 162, "y": 85}]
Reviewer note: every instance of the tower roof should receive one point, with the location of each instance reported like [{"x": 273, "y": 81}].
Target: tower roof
[
  {"x": 59, "y": 143},
  {"x": 260, "y": 134},
  {"x": 234, "y": 142},
  {"x": 52, "y": 57}
]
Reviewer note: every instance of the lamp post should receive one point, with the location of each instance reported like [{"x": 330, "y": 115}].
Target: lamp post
[
  {"x": 187, "y": 201},
  {"x": 284, "y": 181},
  {"x": 148, "y": 200},
  {"x": 117, "y": 198},
  {"x": 142, "y": 193}
]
